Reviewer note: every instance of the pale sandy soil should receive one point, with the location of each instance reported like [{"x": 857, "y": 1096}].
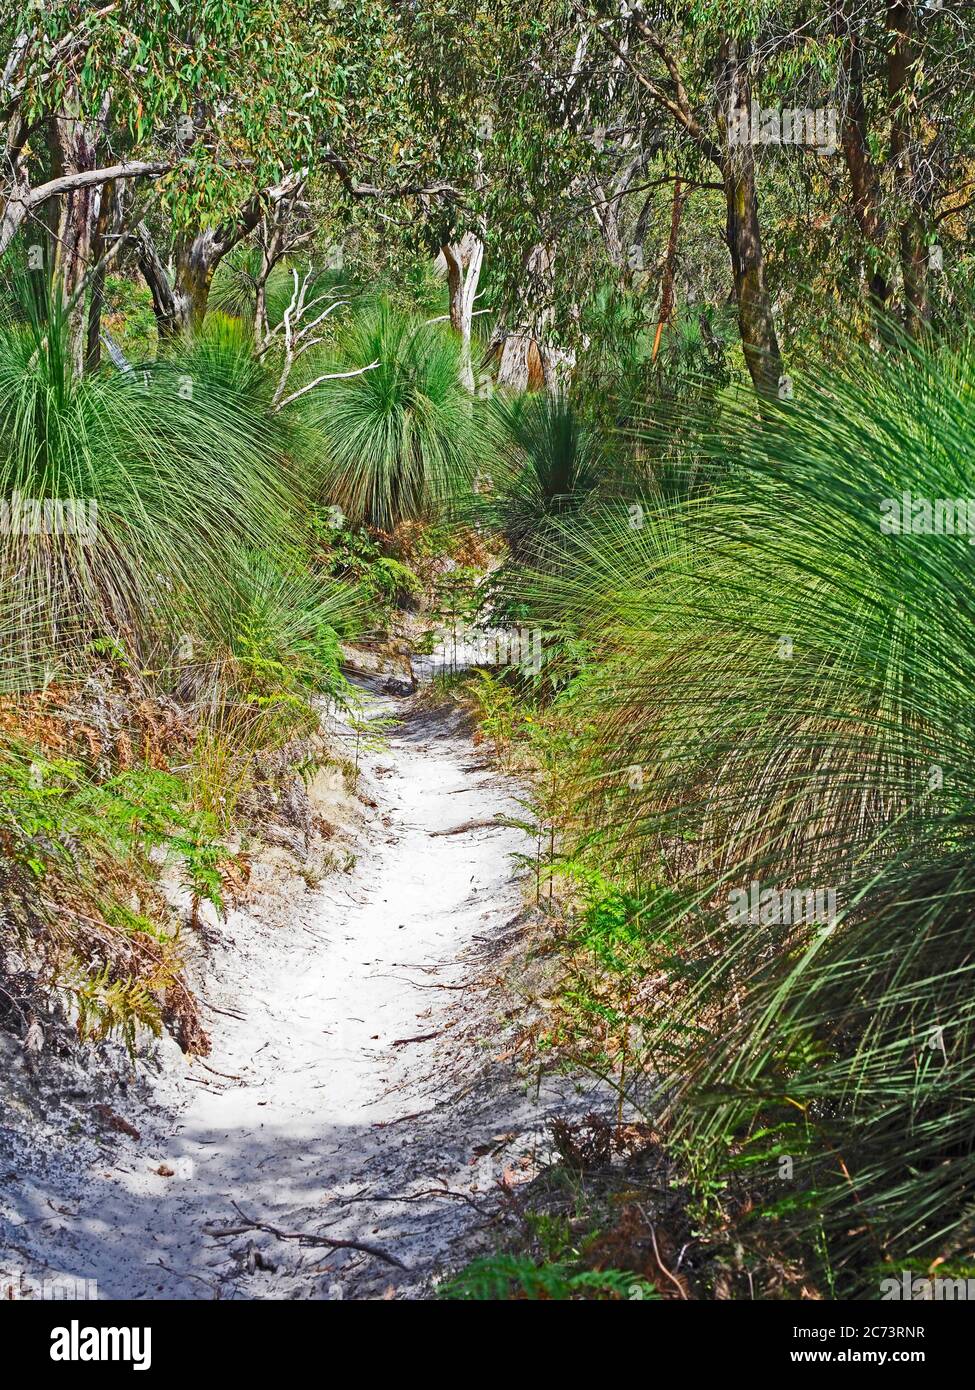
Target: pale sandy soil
[{"x": 358, "y": 1085}]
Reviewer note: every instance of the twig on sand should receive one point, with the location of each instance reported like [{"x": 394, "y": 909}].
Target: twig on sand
[
  {"x": 227, "y": 1075},
  {"x": 469, "y": 825},
  {"x": 417, "y": 1197},
  {"x": 415, "y": 983},
  {"x": 188, "y": 1274},
  {"x": 421, "y": 1037},
  {"x": 304, "y": 1237},
  {"x": 228, "y": 1013}
]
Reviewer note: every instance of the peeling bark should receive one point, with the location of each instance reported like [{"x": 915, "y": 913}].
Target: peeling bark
[
  {"x": 104, "y": 223},
  {"x": 180, "y": 304},
  {"x": 530, "y": 359},
  {"x": 463, "y": 260},
  {"x": 73, "y": 147}
]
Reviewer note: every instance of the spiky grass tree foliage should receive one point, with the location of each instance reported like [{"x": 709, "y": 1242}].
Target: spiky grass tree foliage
[
  {"x": 399, "y": 441},
  {"x": 782, "y": 708},
  {"x": 236, "y": 282},
  {"x": 546, "y": 466},
  {"x": 129, "y": 497},
  {"x": 286, "y": 638}
]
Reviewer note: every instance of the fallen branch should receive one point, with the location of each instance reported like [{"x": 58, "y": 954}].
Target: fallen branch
[
  {"x": 227, "y": 1076},
  {"x": 308, "y": 1238},
  {"x": 469, "y": 825},
  {"x": 416, "y": 984},
  {"x": 23, "y": 201},
  {"x": 400, "y": 1119},
  {"x": 418, "y": 1196},
  {"x": 656, "y": 1253},
  {"x": 298, "y": 339}
]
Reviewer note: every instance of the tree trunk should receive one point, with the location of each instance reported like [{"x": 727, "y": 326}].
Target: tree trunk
[
  {"x": 197, "y": 258},
  {"x": 864, "y": 175},
  {"x": 670, "y": 266},
  {"x": 155, "y": 276},
  {"x": 109, "y": 224},
  {"x": 272, "y": 243},
  {"x": 755, "y": 321},
  {"x": 558, "y": 364},
  {"x": 513, "y": 368},
  {"x": 913, "y": 248},
  {"x": 865, "y": 188},
  {"x": 463, "y": 260},
  {"x": 744, "y": 234},
  {"x": 180, "y": 304},
  {"x": 530, "y": 359},
  {"x": 74, "y": 153}
]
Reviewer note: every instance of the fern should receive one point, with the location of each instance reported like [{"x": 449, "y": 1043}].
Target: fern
[{"x": 507, "y": 1278}]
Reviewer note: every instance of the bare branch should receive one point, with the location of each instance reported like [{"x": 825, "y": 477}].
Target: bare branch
[
  {"x": 328, "y": 376},
  {"x": 24, "y": 200}
]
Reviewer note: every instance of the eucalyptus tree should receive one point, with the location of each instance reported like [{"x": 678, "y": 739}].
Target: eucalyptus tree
[
  {"x": 229, "y": 107},
  {"x": 827, "y": 146},
  {"x": 903, "y": 74},
  {"x": 91, "y": 97},
  {"x": 859, "y": 105},
  {"x": 302, "y": 80}
]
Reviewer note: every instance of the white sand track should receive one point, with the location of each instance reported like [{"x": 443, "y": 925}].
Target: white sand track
[{"x": 325, "y": 1106}]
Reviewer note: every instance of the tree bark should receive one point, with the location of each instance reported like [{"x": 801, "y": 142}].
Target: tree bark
[
  {"x": 180, "y": 305},
  {"x": 530, "y": 359},
  {"x": 744, "y": 235},
  {"x": 862, "y": 171},
  {"x": 911, "y": 234},
  {"x": 670, "y": 265},
  {"x": 154, "y": 273},
  {"x": 73, "y": 147},
  {"x": 105, "y": 221},
  {"x": 22, "y": 199},
  {"x": 463, "y": 260},
  {"x": 197, "y": 258}
]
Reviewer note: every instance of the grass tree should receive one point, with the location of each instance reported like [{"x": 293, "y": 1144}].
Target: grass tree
[
  {"x": 129, "y": 497},
  {"x": 546, "y": 466},
  {"x": 399, "y": 441},
  {"x": 781, "y": 734}
]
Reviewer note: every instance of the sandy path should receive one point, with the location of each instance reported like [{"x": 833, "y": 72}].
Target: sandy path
[{"x": 325, "y": 1116}]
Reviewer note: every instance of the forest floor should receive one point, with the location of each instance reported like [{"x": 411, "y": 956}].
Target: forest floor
[{"x": 360, "y": 1088}]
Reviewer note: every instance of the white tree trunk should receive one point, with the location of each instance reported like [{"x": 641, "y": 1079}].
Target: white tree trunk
[{"x": 463, "y": 260}]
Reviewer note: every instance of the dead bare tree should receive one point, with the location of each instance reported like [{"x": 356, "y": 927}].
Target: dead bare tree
[
  {"x": 297, "y": 337},
  {"x": 278, "y": 237}
]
